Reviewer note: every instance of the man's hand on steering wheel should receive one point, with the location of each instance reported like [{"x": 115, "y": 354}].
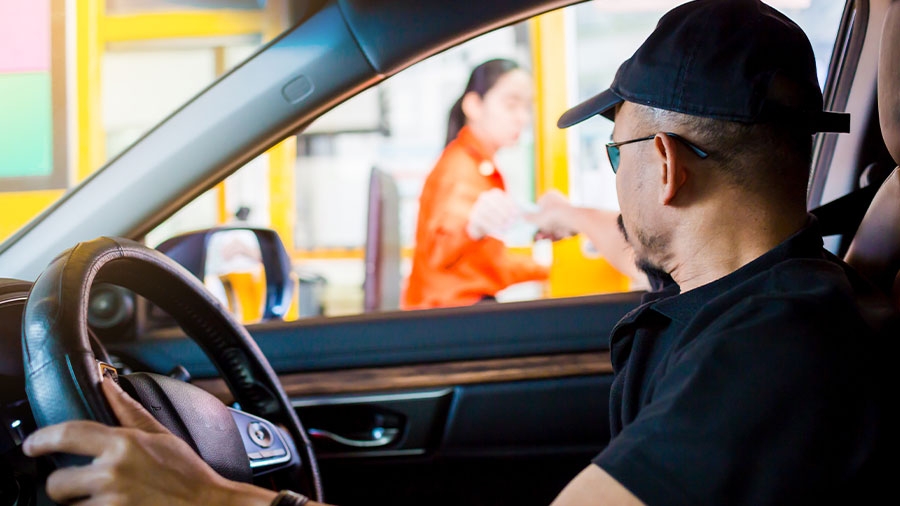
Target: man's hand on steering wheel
[
  {"x": 139, "y": 463},
  {"x": 191, "y": 450}
]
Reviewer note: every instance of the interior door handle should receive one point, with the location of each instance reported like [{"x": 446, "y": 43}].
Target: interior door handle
[{"x": 380, "y": 437}]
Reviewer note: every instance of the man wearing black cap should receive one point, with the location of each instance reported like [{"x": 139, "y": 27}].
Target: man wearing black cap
[{"x": 748, "y": 377}]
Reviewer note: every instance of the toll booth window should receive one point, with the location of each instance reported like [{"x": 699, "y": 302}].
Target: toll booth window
[
  {"x": 379, "y": 145},
  {"x": 361, "y": 169},
  {"x": 34, "y": 118},
  {"x": 116, "y": 7},
  {"x": 81, "y": 81}
]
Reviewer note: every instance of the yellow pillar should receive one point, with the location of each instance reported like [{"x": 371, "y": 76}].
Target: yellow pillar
[
  {"x": 20, "y": 207},
  {"x": 548, "y": 61},
  {"x": 222, "y": 214},
  {"x": 282, "y": 158},
  {"x": 181, "y": 24},
  {"x": 572, "y": 273},
  {"x": 89, "y": 139}
]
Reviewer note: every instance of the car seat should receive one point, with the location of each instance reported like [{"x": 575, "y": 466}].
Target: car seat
[
  {"x": 381, "y": 286},
  {"x": 875, "y": 249}
]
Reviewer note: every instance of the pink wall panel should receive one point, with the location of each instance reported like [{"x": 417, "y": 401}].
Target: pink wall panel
[{"x": 24, "y": 35}]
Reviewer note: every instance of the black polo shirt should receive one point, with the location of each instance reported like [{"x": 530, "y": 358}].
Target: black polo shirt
[{"x": 757, "y": 388}]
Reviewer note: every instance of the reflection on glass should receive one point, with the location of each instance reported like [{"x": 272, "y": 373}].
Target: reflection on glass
[{"x": 234, "y": 273}]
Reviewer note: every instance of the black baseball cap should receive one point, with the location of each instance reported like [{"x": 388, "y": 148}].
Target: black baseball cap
[{"x": 734, "y": 60}]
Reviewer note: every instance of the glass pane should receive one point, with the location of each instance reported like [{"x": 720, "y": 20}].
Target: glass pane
[
  {"x": 26, "y": 130},
  {"x": 234, "y": 273},
  {"x": 397, "y": 130},
  {"x": 33, "y": 110},
  {"x": 126, "y": 84},
  {"x": 400, "y": 128},
  {"x": 138, "y": 6}
]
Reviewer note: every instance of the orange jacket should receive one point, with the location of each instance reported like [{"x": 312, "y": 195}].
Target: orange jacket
[{"x": 449, "y": 268}]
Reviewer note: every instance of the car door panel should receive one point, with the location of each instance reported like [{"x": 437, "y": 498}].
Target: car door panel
[
  {"x": 509, "y": 399},
  {"x": 558, "y": 415},
  {"x": 376, "y": 425},
  {"x": 503, "y": 443},
  {"x": 531, "y": 328}
]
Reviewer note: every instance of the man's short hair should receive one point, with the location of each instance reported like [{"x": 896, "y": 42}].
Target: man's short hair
[{"x": 751, "y": 156}]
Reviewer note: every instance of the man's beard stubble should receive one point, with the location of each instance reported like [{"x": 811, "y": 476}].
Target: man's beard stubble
[{"x": 642, "y": 262}]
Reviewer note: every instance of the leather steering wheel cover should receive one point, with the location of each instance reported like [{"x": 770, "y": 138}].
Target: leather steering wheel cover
[{"x": 57, "y": 352}]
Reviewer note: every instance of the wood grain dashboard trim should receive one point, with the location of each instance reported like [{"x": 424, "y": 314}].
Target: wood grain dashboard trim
[{"x": 443, "y": 374}]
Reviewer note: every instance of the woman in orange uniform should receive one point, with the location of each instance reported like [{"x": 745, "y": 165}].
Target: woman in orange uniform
[{"x": 458, "y": 259}]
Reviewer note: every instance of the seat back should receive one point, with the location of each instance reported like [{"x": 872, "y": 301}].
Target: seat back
[
  {"x": 381, "y": 287},
  {"x": 875, "y": 249}
]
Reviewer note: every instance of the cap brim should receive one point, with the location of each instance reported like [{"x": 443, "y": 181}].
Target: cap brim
[{"x": 603, "y": 103}]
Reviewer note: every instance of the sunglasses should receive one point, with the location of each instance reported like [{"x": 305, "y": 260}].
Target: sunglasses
[{"x": 612, "y": 148}]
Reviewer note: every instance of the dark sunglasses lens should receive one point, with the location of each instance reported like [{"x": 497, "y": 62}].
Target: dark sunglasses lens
[{"x": 613, "y": 153}]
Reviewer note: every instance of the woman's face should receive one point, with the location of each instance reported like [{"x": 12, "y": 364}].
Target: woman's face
[{"x": 499, "y": 117}]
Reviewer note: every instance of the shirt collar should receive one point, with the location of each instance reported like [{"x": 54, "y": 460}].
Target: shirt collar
[
  {"x": 806, "y": 243},
  {"x": 472, "y": 144}
]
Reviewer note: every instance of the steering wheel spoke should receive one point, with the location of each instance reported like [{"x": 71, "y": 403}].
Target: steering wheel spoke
[{"x": 265, "y": 443}]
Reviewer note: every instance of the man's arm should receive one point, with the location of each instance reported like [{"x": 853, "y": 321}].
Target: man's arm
[
  {"x": 558, "y": 218},
  {"x": 139, "y": 463},
  {"x": 592, "y": 487}
]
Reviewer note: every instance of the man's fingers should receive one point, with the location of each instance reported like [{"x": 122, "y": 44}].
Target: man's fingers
[
  {"x": 129, "y": 411},
  {"x": 553, "y": 198},
  {"x": 78, "y": 437},
  {"x": 65, "y": 485},
  {"x": 101, "y": 501},
  {"x": 88, "y": 438}
]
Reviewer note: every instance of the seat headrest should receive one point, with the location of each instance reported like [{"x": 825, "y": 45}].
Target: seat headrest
[{"x": 889, "y": 81}]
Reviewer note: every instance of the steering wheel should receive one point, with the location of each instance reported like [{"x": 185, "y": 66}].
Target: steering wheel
[{"x": 63, "y": 375}]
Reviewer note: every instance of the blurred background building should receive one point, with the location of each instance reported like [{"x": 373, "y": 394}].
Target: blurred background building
[{"x": 81, "y": 80}]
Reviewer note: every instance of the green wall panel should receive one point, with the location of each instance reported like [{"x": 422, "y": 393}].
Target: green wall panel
[{"x": 26, "y": 125}]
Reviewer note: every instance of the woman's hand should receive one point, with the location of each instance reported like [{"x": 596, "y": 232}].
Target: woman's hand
[
  {"x": 493, "y": 213},
  {"x": 555, "y": 217},
  {"x": 139, "y": 463}
]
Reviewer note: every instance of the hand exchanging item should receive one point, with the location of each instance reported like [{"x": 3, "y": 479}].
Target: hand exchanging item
[
  {"x": 493, "y": 214},
  {"x": 554, "y": 217}
]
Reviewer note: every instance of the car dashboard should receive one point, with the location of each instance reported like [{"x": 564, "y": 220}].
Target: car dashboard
[{"x": 17, "y": 473}]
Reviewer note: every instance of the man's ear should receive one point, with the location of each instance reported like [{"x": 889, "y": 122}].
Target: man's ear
[
  {"x": 672, "y": 172},
  {"x": 471, "y": 106}
]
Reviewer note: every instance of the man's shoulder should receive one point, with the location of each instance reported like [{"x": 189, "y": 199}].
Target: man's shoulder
[
  {"x": 830, "y": 282},
  {"x": 814, "y": 297},
  {"x": 818, "y": 280}
]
